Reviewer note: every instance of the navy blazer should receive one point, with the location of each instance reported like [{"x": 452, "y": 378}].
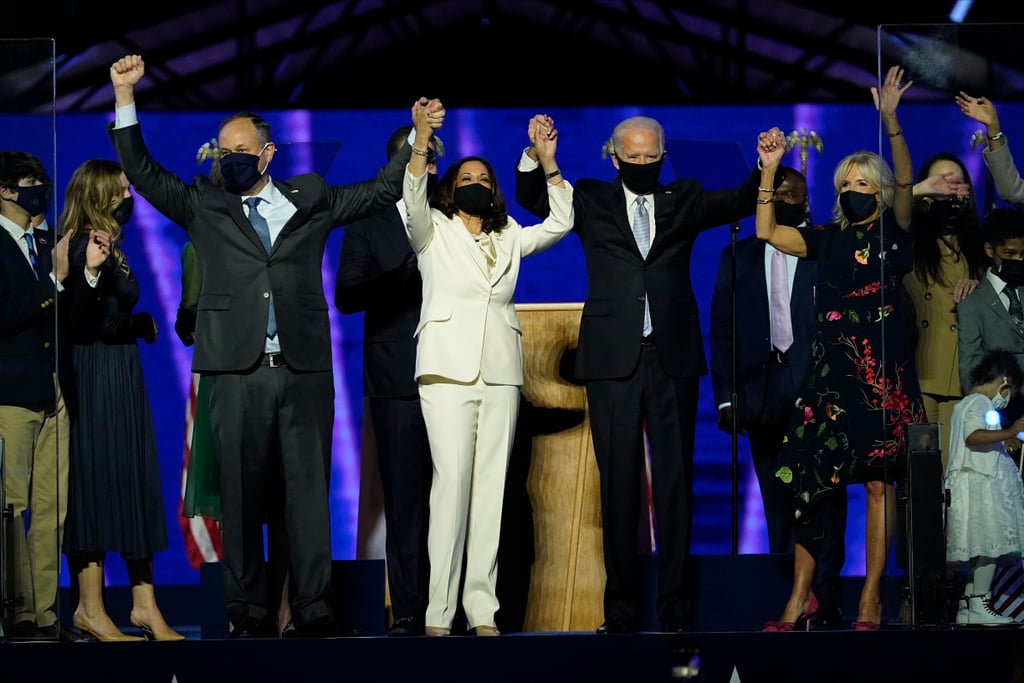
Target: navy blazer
[
  {"x": 753, "y": 327},
  {"x": 27, "y": 325},
  {"x": 238, "y": 275},
  {"x": 377, "y": 274}
]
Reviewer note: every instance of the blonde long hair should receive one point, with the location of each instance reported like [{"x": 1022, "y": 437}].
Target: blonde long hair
[
  {"x": 92, "y": 194},
  {"x": 874, "y": 170}
]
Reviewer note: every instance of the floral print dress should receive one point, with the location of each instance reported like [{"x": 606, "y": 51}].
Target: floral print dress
[{"x": 862, "y": 389}]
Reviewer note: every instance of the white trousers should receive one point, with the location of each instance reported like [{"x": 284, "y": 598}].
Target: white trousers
[{"x": 470, "y": 428}]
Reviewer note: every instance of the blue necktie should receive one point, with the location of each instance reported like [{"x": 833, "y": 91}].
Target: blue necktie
[
  {"x": 32, "y": 259},
  {"x": 642, "y": 234},
  {"x": 259, "y": 224}
]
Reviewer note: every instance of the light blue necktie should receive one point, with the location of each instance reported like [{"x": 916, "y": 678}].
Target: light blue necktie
[
  {"x": 32, "y": 259},
  {"x": 642, "y": 234},
  {"x": 259, "y": 224}
]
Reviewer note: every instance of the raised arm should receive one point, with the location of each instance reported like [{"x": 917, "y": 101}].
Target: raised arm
[
  {"x": 887, "y": 99},
  {"x": 771, "y": 145},
  {"x": 1005, "y": 175}
]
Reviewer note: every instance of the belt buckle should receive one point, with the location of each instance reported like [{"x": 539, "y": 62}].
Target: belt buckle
[
  {"x": 274, "y": 360},
  {"x": 779, "y": 356}
]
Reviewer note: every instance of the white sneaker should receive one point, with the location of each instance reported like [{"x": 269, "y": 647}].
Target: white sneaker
[
  {"x": 980, "y": 612},
  {"x": 962, "y": 611}
]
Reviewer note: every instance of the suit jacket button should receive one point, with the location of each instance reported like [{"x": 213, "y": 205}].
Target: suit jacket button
[
  {"x": 952, "y": 327},
  {"x": 924, "y": 323},
  {"x": 266, "y": 295},
  {"x": 927, "y": 296}
]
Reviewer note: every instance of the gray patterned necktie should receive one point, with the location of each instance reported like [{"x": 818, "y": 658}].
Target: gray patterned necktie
[
  {"x": 1016, "y": 310},
  {"x": 642, "y": 234},
  {"x": 259, "y": 224}
]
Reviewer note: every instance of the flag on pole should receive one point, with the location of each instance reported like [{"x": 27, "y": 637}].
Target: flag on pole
[{"x": 201, "y": 535}]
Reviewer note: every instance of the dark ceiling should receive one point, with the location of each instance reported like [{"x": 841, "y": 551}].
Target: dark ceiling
[{"x": 278, "y": 54}]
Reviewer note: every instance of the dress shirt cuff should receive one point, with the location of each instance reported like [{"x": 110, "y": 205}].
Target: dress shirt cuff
[
  {"x": 526, "y": 164},
  {"x": 53, "y": 278},
  {"x": 125, "y": 116},
  {"x": 727, "y": 404},
  {"x": 92, "y": 280}
]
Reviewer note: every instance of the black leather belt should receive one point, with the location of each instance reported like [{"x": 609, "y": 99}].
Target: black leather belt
[
  {"x": 780, "y": 357},
  {"x": 648, "y": 340},
  {"x": 273, "y": 360}
]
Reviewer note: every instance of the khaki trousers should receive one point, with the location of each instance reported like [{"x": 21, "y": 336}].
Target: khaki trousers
[{"x": 35, "y": 480}]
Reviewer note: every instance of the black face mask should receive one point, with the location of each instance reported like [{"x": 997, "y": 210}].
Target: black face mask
[
  {"x": 35, "y": 199},
  {"x": 1011, "y": 271},
  {"x": 857, "y": 206},
  {"x": 640, "y": 178},
  {"x": 792, "y": 215},
  {"x": 948, "y": 213},
  {"x": 473, "y": 199},
  {"x": 123, "y": 212},
  {"x": 240, "y": 171}
]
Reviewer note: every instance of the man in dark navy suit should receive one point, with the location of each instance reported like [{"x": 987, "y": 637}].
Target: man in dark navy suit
[
  {"x": 770, "y": 367},
  {"x": 377, "y": 274}
]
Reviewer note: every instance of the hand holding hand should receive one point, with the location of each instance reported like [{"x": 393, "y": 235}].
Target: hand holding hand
[
  {"x": 544, "y": 136},
  {"x": 980, "y": 109},
  {"x": 888, "y": 98},
  {"x": 771, "y": 145}
]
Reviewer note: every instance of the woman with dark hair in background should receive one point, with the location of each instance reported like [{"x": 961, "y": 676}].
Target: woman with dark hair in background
[{"x": 948, "y": 262}]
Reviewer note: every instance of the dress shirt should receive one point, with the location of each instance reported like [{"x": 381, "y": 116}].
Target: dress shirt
[{"x": 276, "y": 210}]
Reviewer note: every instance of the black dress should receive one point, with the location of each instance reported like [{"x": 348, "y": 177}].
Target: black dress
[
  {"x": 851, "y": 417},
  {"x": 115, "y": 502}
]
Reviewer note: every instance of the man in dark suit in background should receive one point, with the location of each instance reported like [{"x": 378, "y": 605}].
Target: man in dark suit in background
[
  {"x": 34, "y": 421},
  {"x": 263, "y": 337},
  {"x": 641, "y": 364},
  {"x": 770, "y": 367},
  {"x": 377, "y": 274}
]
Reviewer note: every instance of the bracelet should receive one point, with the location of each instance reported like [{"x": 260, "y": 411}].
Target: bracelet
[
  {"x": 997, "y": 136},
  {"x": 896, "y": 134},
  {"x": 765, "y": 201},
  {"x": 421, "y": 152},
  {"x": 766, "y": 189},
  {"x": 905, "y": 185},
  {"x": 554, "y": 173}
]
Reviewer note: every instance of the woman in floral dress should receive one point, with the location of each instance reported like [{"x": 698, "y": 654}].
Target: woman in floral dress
[{"x": 851, "y": 419}]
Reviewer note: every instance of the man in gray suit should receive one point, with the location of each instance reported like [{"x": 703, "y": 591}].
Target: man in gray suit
[
  {"x": 992, "y": 316},
  {"x": 263, "y": 338}
]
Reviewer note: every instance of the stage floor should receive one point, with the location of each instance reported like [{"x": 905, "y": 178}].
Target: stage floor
[{"x": 903, "y": 655}]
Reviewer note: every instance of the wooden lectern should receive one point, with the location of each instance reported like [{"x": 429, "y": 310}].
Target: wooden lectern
[{"x": 567, "y": 579}]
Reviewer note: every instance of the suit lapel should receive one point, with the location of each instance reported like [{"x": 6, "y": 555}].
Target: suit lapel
[
  {"x": 997, "y": 305},
  {"x": 44, "y": 251},
  {"x": 664, "y": 209},
  {"x": 234, "y": 204}
]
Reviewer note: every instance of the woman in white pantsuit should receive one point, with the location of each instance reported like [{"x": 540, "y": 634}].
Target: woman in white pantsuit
[{"x": 469, "y": 359}]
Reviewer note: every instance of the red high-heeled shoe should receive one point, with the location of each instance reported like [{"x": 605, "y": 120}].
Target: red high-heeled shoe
[
  {"x": 869, "y": 625},
  {"x": 802, "y": 623}
]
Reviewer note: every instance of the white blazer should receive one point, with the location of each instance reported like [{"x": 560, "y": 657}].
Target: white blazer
[{"x": 468, "y": 324}]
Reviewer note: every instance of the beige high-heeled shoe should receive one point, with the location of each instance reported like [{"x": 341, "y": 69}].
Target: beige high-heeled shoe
[
  {"x": 436, "y": 631},
  {"x": 487, "y": 631},
  {"x": 147, "y": 632}
]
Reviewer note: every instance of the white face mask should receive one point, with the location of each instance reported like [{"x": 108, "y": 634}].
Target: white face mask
[{"x": 999, "y": 401}]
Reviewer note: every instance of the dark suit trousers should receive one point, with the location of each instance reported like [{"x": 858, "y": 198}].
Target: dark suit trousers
[
  {"x": 822, "y": 533},
  {"x": 619, "y": 412},
  {"x": 403, "y": 456},
  {"x": 273, "y": 432}
]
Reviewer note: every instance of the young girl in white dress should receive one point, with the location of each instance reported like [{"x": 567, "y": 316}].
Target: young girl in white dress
[{"x": 985, "y": 523}]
